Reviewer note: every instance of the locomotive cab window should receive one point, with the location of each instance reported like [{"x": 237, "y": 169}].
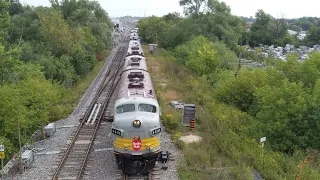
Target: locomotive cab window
[
  {"x": 147, "y": 108},
  {"x": 125, "y": 108}
]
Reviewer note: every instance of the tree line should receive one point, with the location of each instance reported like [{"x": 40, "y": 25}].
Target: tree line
[
  {"x": 213, "y": 19},
  {"x": 44, "y": 52}
]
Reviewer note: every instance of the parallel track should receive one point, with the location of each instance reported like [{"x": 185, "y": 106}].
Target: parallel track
[{"x": 75, "y": 157}]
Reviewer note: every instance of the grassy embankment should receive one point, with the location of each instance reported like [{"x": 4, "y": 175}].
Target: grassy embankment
[{"x": 226, "y": 151}]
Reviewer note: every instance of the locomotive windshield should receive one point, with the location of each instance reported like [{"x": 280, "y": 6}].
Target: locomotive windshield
[
  {"x": 147, "y": 108},
  {"x": 125, "y": 108}
]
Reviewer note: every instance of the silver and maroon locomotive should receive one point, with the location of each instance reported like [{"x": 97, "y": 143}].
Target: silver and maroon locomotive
[{"x": 136, "y": 127}]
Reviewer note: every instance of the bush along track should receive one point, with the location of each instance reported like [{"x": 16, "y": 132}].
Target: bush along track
[{"x": 227, "y": 150}]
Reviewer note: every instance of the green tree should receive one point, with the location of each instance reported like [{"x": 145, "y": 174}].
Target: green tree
[
  {"x": 56, "y": 32},
  {"x": 29, "y": 98},
  {"x": 172, "y": 18},
  {"x": 25, "y": 27},
  {"x": 46, "y": 51},
  {"x": 60, "y": 69},
  {"x": 192, "y": 7},
  {"x": 260, "y": 30},
  {"x": 216, "y": 24},
  {"x": 304, "y": 23},
  {"x": 314, "y": 35},
  {"x": 291, "y": 68},
  {"x": 215, "y": 6},
  {"x": 294, "y": 28},
  {"x": 203, "y": 56},
  {"x": 219, "y": 25},
  {"x": 240, "y": 91},
  {"x": 267, "y": 30},
  {"x": 8, "y": 63},
  {"x": 153, "y": 29},
  {"x": 4, "y": 19},
  {"x": 313, "y": 118},
  {"x": 278, "y": 27},
  {"x": 310, "y": 70},
  {"x": 15, "y": 8},
  {"x": 90, "y": 14},
  {"x": 82, "y": 60},
  {"x": 307, "y": 73},
  {"x": 281, "y": 112},
  {"x": 177, "y": 34}
]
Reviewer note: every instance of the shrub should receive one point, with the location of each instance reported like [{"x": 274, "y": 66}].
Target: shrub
[{"x": 171, "y": 124}]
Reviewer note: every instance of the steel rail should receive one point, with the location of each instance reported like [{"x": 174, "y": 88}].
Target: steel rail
[{"x": 119, "y": 55}]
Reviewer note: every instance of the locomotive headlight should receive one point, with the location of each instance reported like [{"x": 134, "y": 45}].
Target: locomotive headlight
[
  {"x": 148, "y": 147},
  {"x": 126, "y": 148},
  {"x": 136, "y": 123}
]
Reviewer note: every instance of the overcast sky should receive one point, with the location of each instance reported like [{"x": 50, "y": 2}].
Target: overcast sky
[{"x": 289, "y": 8}]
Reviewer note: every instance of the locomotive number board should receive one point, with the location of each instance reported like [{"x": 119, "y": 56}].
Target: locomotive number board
[
  {"x": 116, "y": 132},
  {"x": 156, "y": 131}
]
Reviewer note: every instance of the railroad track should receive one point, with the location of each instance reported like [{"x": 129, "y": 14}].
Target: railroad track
[{"x": 74, "y": 158}]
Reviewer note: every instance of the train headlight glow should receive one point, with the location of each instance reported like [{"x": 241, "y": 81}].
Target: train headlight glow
[
  {"x": 136, "y": 123},
  {"x": 148, "y": 147},
  {"x": 126, "y": 148}
]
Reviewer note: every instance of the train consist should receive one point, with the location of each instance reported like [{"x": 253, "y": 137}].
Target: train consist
[
  {"x": 134, "y": 34},
  {"x": 136, "y": 127}
]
